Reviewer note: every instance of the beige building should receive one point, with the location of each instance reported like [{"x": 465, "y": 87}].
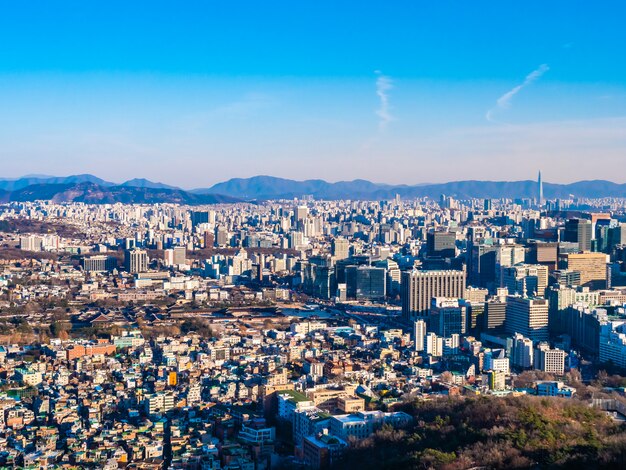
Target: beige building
[
  {"x": 591, "y": 266},
  {"x": 420, "y": 287}
]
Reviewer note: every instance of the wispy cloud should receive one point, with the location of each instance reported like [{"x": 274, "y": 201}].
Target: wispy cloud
[
  {"x": 383, "y": 85},
  {"x": 504, "y": 102}
]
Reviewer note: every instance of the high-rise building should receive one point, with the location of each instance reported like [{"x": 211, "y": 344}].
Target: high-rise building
[
  {"x": 616, "y": 236},
  {"x": 180, "y": 255},
  {"x": 544, "y": 253},
  {"x": 199, "y": 217},
  {"x": 99, "y": 263},
  {"x": 394, "y": 277},
  {"x": 566, "y": 277},
  {"x": 441, "y": 244},
  {"x": 550, "y": 360},
  {"x": 136, "y": 261},
  {"x": 522, "y": 352},
  {"x": 579, "y": 231},
  {"x": 420, "y": 335},
  {"x": 591, "y": 266},
  {"x": 340, "y": 248},
  {"x": 482, "y": 265},
  {"x": 366, "y": 282},
  {"x": 494, "y": 315},
  {"x": 319, "y": 277},
  {"x": 419, "y": 287},
  {"x": 526, "y": 279},
  {"x": 540, "y": 190},
  {"x": 528, "y": 317},
  {"x": 301, "y": 213},
  {"x": 507, "y": 255},
  {"x": 222, "y": 237},
  {"x": 434, "y": 345},
  {"x": 447, "y": 317}
]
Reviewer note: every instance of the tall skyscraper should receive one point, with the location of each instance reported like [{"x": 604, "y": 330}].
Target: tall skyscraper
[
  {"x": 419, "y": 287},
  {"x": 540, "y": 189}
]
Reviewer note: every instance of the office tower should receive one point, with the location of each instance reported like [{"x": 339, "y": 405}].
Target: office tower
[
  {"x": 99, "y": 263},
  {"x": 319, "y": 278},
  {"x": 447, "y": 317},
  {"x": 199, "y": 217},
  {"x": 475, "y": 312},
  {"x": 579, "y": 231},
  {"x": 179, "y": 255},
  {"x": 340, "y": 248},
  {"x": 394, "y": 276},
  {"x": 544, "y": 253},
  {"x": 366, "y": 283},
  {"x": 507, "y": 255},
  {"x": 528, "y": 317},
  {"x": 222, "y": 237},
  {"x": 565, "y": 277},
  {"x": 526, "y": 280},
  {"x": 522, "y": 352},
  {"x": 296, "y": 240},
  {"x": 591, "y": 266},
  {"x": 540, "y": 190},
  {"x": 550, "y": 360},
  {"x": 419, "y": 287},
  {"x": 482, "y": 265},
  {"x": 136, "y": 261},
  {"x": 494, "y": 316},
  {"x": 579, "y": 320},
  {"x": 420, "y": 335},
  {"x": 475, "y": 294},
  {"x": 301, "y": 213},
  {"x": 487, "y": 204},
  {"x": 441, "y": 244},
  {"x": 616, "y": 236}
]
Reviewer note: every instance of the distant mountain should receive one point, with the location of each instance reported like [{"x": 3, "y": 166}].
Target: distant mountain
[
  {"x": 267, "y": 187},
  {"x": 99, "y": 194},
  {"x": 89, "y": 188},
  {"x": 144, "y": 183},
  {"x": 19, "y": 183}
]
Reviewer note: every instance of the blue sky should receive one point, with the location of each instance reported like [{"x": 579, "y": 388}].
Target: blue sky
[{"x": 398, "y": 92}]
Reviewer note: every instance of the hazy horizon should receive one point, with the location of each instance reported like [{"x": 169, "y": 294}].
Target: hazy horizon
[{"x": 191, "y": 188}]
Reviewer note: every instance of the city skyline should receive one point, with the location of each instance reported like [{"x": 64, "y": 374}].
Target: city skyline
[{"x": 315, "y": 91}]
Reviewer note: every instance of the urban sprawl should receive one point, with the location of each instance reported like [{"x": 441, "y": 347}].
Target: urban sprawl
[{"x": 279, "y": 334}]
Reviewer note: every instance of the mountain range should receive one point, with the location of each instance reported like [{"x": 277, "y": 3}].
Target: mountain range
[
  {"x": 91, "y": 189},
  {"x": 268, "y": 187}
]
